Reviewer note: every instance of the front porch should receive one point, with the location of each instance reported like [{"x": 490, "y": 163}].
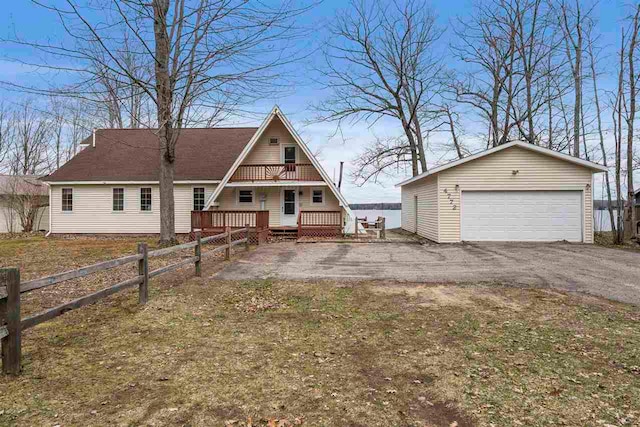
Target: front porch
[{"x": 309, "y": 223}]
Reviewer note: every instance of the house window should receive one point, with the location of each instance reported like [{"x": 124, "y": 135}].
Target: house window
[
  {"x": 317, "y": 197},
  {"x": 145, "y": 199},
  {"x": 245, "y": 196},
  {"x": 273, "y": 141},
  {"x": 118, "y": 199},
  {"x": 67, "y": 199},
  {"x": 198, "y": 198},
  {"x": 290, "y": 154}
]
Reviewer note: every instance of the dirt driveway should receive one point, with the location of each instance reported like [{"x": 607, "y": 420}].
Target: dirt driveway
[{"x": 611, "y": 273}]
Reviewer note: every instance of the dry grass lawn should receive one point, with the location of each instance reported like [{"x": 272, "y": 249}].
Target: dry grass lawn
[{"x": 211, "y": 353}]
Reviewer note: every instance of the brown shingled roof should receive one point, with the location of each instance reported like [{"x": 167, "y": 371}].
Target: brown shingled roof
[{"x": 132, "y": 155}]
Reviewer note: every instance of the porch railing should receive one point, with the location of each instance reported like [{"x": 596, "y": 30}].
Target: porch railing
[
  {"x": 277, "y": 172},
  {"x": 319, "y": 223},
  {"x": 213, "y": 221}
]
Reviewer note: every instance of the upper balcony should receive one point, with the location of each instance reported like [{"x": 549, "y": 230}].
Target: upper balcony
[{"x": 276, "y": 172}]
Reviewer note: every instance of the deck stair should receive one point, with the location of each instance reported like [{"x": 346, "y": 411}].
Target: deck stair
[{"x": 284, "y": 233}]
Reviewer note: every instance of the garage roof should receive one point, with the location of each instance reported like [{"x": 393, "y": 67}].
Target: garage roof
[{"x": 527, "y": 146}]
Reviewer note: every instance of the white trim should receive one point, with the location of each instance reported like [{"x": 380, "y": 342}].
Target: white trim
[
  {"x": 243, "y": 154},
  {"x": 287, "y": 145},
  {"x": 525, "y": 145},
  {"x": 311, "y": 202},
  {"x": 551, "y": 187},
  {"x": 195, "y": 182},
  {"x": 276, "y": 112},
  {"x": 296, "y": 192},
  {"x": 193, "y": 196},
  {"x": 570, "y": 188},
  {"x": 253, "y": 197},
  {"x": 140, "y": 200},
  {"x": 124, "y": 200},
  {"x": 276, "y": 184},
  {"x": 349, "y": 216},
  {"x": 50, "y": 226},
  {"x": 62, "y": 200}
]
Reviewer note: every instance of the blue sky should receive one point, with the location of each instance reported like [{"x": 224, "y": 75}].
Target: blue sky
[{"x": 33, "y": 22}]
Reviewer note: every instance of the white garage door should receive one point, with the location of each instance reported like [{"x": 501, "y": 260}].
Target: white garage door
[{"x": 521, "y": 215}]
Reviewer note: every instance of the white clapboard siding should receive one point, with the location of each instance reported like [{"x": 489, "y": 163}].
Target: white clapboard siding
[
  {"x": 265, "y": 153},
  {"x": 93, "y": 209},
  {"x": 426, "y": 191}
]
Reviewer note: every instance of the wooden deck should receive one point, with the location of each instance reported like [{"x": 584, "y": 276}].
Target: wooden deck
[{"x": 310, "y": 223}]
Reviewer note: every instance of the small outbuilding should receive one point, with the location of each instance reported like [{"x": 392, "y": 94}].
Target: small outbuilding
[{"x": 513, "y": 192}]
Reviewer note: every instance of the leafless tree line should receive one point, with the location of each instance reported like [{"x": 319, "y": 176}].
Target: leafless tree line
[{"x": 513, "y": 69}]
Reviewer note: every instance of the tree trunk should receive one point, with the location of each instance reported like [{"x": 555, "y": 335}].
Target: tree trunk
[
  {"x": 577, "y": 108},
  {"x": 601, "y": 135},
  {"x": 619, "y": 236},
  {"x": 630, "y": 122},
  {"x": 452, "y": 129},
  {"x": 420, "y": 144},
  {"x": 165, "y": 130}
]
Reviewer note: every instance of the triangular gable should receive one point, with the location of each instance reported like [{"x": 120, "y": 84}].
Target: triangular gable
[
  {"x": 275, "y": 112},
  {"x": 521, "y": 144}
]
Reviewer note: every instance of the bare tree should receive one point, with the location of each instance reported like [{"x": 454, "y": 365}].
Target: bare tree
[
  {"x": 572, "y": 22},
  {"x": 617, "y": 133},
  {"x": 451, "y": 121},
  {"x": 6, "y": 130},
  {"x": 380, "y": 62},
  {"x": 594, "y": 78},
  {"x": 28, "y": 154},
  {"x": 207, "y": 56},
  {"x": 633, "y": 41},
  {"x": 24, "y": 197},
  {"x": 509, "y": 74}
]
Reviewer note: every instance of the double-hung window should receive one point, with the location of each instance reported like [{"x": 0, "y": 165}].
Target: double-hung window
[
  {"x": 67, "y": 199},
  {"x": 145, "y": 199},
  {"x": 317, "y": 196},
  {"x": 118, "y": 199},
  {"x": 198, "y": 198}
]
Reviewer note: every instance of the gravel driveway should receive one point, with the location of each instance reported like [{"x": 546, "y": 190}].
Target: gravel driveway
[{"x": 610, "y": 273}]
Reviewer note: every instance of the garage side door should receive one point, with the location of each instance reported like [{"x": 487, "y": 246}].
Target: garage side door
[{"x": 521, "y": 215}]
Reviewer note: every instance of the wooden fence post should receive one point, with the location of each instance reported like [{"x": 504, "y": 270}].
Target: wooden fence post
[
  {"x": 227, "y": 251},
  {"x": 10, "y": 314},
  {"x": 198, "y": 253},
  {"x": 383, "y": 232},
  {"x": 143, "y": 270},
  {"x": 246, "y": 244}
]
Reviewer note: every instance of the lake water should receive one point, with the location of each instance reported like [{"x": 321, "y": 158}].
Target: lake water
[
  {"x": 601, "y": 220},
  {"x": 392, "y": 217}
]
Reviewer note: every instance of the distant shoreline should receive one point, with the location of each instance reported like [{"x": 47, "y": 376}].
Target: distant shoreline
[{"x": 376, "y": 206}]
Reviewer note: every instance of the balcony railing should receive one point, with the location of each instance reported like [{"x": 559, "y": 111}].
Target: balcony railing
[{"x": 277, "y": 172}]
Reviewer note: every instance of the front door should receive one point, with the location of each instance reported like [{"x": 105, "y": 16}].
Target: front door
[{"x": 289, "y": 207}]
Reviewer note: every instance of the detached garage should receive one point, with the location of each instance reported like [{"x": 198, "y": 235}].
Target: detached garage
[{"x": 513, "y": 192}]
